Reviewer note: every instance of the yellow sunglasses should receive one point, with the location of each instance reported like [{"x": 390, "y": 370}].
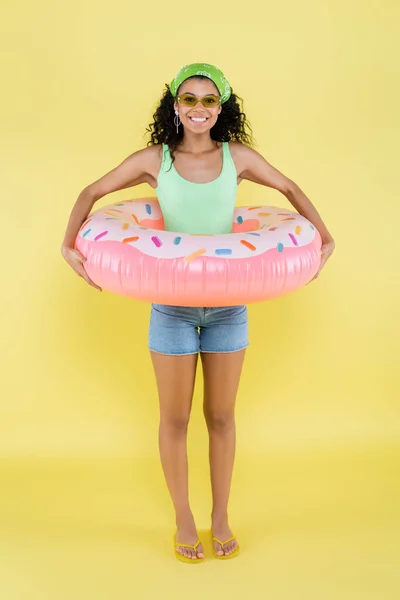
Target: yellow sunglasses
[{"x": 208, "y": 101}]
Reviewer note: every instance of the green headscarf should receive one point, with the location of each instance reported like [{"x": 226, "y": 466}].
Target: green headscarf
[{"x": 206, "y": 70}]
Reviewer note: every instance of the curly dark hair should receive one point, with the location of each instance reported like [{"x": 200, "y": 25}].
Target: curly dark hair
[{"x": 231, "y": 124}]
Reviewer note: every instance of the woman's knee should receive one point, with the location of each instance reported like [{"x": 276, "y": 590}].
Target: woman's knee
[
  {"x": 174, "y": 424},
  {"x": 218, "y": 420}
]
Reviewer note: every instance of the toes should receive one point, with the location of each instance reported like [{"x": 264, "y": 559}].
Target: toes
[
  {"x": 230, "y": 547},
  {"x": 190, "y": 553},
  {"x": 226, "y": 549}
]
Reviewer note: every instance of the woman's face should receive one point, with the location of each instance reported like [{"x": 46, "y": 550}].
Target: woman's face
[{"x": 189, "y": 114}]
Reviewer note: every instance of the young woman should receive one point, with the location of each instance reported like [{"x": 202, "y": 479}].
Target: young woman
[{"x": 200, "y": 151}]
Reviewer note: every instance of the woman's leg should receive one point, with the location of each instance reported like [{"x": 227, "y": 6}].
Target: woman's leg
[
  {"x": 221, "y": 381},
  {"x": 175, "y": 377}
]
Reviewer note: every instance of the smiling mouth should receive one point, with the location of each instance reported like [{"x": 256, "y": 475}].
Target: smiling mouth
[{"x": 198, "y": 120}]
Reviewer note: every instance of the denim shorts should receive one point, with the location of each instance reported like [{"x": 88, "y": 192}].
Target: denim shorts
[{"x": 179, "y": 330}]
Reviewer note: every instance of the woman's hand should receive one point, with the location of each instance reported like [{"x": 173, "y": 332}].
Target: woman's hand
[
  {"x": 326, "y": 251},
  {"x": 76, "y": 260}
]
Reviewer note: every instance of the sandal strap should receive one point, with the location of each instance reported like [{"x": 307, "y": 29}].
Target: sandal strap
[
  {"x": 223, "y": 543},
  {"x": 187, "y": 546}
]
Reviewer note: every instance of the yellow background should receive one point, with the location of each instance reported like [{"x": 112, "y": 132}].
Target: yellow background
[{"x": 85, "y": 512}]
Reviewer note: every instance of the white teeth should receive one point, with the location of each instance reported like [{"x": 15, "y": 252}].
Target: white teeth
[{"x": 197, "y": 120}]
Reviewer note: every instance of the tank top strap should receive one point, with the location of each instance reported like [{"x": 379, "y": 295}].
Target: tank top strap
[
  {"x": 227, "y": 157},
  {"x": 226, "y": 153},
  {"x": 166, "y": 161}
]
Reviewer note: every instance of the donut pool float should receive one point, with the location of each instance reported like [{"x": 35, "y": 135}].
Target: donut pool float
[{"x": 270, "y": 252}]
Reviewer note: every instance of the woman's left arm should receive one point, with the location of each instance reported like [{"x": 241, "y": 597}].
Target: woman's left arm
[{"x": 253, "y": 167}]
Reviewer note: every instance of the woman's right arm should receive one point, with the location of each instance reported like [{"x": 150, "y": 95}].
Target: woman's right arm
[{"x": 135, "y": 169}]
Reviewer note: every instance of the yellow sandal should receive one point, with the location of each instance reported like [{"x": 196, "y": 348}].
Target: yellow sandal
[
  {"x": 225, "y": 556},
  {"x": 180, "y": 556}
]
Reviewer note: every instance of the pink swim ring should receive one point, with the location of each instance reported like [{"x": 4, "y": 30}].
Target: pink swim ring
[{"x": 270, "y": 252}]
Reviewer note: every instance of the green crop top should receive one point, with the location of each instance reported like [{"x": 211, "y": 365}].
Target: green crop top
[{"x": 197, "y": 207}]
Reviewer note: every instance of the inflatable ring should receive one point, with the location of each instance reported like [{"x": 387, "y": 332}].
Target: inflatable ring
[{"x": 271, "y": 252}]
